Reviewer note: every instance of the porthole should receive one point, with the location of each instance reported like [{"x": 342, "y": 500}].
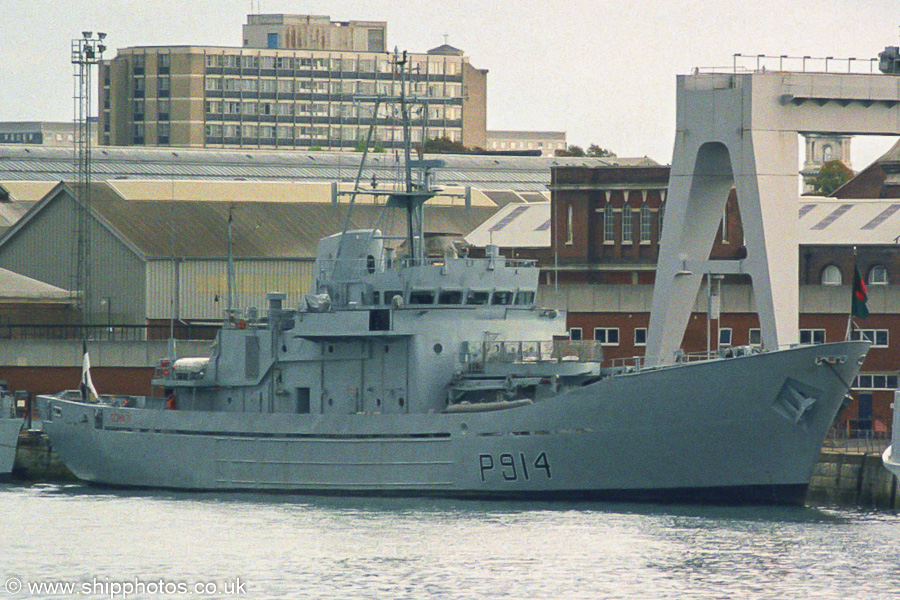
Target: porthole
[
  {"x": 400, "y": 401},
  {"x": 438, "y": 348},
  {"x": 331, "y": 348},
  {"x": 378, "y": 402},
  {"x": 331, "y": 402}
]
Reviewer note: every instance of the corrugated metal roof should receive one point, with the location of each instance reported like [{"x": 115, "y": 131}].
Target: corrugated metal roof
[
  {"x": 518, "y": 173},
  {"x": 261, "y": 229}
]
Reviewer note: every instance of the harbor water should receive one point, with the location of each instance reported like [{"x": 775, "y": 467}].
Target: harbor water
[{"x": 140, "y": 544}]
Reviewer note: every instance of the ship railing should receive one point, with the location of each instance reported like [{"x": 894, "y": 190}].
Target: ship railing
[
  {"x": 357, "y": 268},
  {"x": 477, "y": 354}
]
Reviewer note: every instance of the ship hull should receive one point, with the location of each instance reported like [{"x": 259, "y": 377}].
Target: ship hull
[{"x": 740, "y": 430}]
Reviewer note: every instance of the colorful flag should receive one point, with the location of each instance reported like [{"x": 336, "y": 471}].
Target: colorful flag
[
  {"x": 88, "y": 392},
  {"x": 858, "y": 306}
]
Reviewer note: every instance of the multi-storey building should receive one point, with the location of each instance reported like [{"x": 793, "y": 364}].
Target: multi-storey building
[
  {"x": 223, "y": 97},
  {"x": 548, "y": 142},
  {"x": 313, "y": 32}
]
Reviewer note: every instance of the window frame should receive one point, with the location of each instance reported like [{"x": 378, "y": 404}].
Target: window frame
[
  {"x": 604, "y": 339},
  {"x": 730, "y": 336},
  {"x": 813, "y": 333}
]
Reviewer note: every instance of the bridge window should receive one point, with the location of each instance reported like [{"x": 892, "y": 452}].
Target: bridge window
[
  {"x": 450, "y": 297},
  {"x": 524, "y": 298},
  {"x": 421, "y": 297},
  {"x": 389, "y": 296},
  {"x": 502, "y": 298},
  {"x": 477, "y": 298}
]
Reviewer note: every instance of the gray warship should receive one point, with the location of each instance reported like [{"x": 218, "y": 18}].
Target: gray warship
[{"x": 423, "y": 375}]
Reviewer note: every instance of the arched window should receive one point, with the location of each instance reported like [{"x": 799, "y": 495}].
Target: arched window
[
  {"x": 827, "y": 153},
  {"x": 878, "y": 275},
  {"x": 569, "y": 234},
  {"x": 645, "y": 223},
  {"x": 609, "y": 224},
  {"x": 831, "y": 275}
]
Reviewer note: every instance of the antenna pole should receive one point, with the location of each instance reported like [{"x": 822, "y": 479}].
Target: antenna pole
[{"x": 230, "y": 294}]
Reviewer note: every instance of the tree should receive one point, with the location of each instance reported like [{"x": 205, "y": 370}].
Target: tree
[
  {"x": 443, "y": 145},
  {"x": 572, "y": 150},
  {"x": 832, "y": 175},
  {"x": 595, "y": 150}
]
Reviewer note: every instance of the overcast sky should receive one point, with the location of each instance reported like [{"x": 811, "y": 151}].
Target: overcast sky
[{"x": 602, "y": 71}]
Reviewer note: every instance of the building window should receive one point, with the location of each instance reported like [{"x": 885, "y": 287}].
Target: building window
[
  {"x": 812, "y": 336},
  {"x": 878, "y": 275},
  {"x": 575, "y": 334},
  {"x": 165, "y": 60},
  {"x": 640, "y": 336},
  {"x": 725, "y": 336},
  {"x": 569, "y": 224},
  {"x": 609, "y": 224},
  {"x": 878, "y": 337},
  {"x": 645, "y": 223},
  {"x": 872, "y": 381},
  {"x": 659, "y": 217},
  {"x": 607, "y": 336},
  {"x": 831, "y": 275},
  {"x": 627, "y": 227},
  {"x": 162, "y": 133},
  {"x": 755, "y": 337}
]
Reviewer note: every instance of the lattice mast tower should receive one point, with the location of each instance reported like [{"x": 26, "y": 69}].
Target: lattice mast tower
[{"x": 87, "y": 51}]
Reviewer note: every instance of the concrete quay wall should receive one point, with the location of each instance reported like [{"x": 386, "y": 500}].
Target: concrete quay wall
[{"x": 853, "y": 479}]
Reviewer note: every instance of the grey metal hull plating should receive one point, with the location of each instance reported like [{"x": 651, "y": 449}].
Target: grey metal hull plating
[{"x": 745, "y": 429}]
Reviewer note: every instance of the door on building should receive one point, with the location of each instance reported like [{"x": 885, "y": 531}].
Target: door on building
[{"x": 864, "y": 415}]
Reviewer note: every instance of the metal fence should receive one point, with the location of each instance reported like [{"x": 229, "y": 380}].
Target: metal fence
[{"x": 850, "y": 439}]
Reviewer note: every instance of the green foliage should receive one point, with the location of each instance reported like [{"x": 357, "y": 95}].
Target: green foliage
[
  {"x": 593, "y": 150},
  {"x": 315, "y": 148},
  {"x": 443, "y": 145},
  {"x": 832, "y": 175}
]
